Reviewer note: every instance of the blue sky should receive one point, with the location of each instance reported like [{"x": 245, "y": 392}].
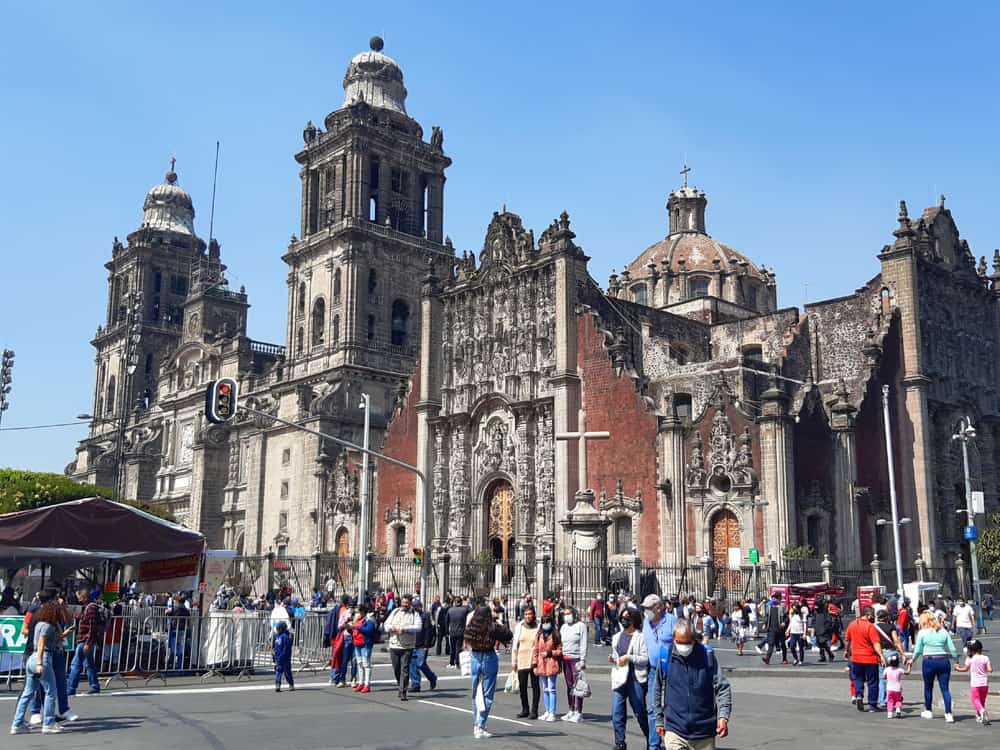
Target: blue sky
[{"x": 804, "y": 123}]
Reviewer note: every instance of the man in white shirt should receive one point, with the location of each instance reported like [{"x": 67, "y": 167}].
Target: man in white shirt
[{"x": 964, "y": 620}]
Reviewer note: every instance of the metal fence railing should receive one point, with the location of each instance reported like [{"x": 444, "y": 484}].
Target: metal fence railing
[{"x": 218, "y": 644}]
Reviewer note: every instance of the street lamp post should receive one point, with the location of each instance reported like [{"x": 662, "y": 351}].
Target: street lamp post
[
  {"x": 363, "y": 530},
  {"x": 966, "y": 432},
  {"x": 130, "y": 358},
  {"x": 6, "y": 377},
  {"x": 753, "y": 504},
  {"x": 896, "y": 546}
]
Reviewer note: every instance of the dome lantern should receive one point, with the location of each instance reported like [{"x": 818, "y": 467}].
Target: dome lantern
[{"x": 375, "y": 79}]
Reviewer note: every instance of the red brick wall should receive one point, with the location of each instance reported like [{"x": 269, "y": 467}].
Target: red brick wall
[
  {"x": 394, "y": 481},
  {"x": 613, "y": 404}
]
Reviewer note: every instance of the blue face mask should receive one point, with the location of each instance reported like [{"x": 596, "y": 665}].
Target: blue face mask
[{"x": 547, "y": 627}]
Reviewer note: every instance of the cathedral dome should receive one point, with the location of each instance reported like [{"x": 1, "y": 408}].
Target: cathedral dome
[
  {"x": 688, "y": 246},
  {"x": 168, "y": 207},
  {"x": 375, "y": 79}
]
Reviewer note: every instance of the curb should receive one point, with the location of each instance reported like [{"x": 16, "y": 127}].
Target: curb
[{"x": 780, "y": 670}]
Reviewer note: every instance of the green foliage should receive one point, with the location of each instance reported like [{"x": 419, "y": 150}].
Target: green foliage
[
  {"x": 798, "y": 552},
  {"x": 988, "y": 547},
  {"x": 26, "y": 490}
]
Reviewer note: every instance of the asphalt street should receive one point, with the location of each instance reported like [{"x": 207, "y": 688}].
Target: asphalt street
[{"x": 774, "y": 707}]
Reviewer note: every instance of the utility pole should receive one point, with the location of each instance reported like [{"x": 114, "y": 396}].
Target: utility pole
[
  {"x": 896, "y": 547},
  {"x": 363, "y": 530},
  {"x": 965, "y": 433}
]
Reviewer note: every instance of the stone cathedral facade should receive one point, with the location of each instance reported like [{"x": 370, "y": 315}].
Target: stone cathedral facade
[{"x": 677, "y": 413}]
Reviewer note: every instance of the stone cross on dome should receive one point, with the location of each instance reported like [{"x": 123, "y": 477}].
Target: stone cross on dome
[
  {"x": 584, "y": 492},
  {"x": 685, "y": 172}
]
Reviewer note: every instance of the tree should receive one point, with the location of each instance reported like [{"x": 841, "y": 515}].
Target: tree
[
  {"x": 988, "y": 547},
  {"x": 26, "y": 490}
]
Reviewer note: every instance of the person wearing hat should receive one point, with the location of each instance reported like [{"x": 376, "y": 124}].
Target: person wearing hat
[{"x": 658, "y": 633}]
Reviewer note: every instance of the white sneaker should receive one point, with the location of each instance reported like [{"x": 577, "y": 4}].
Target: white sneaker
[
  {"x": 890, "y": 715},
  {"x": 35, "y": 720},
  {"x": 926, "y": 715},
  {"x": 482, "y": 734},
  {"x": 576, "y": 718},
  {"x": 979, "y": 718},
  {"x": 70, "y": 715},
  {"x": 52, "y": 729},
  {"x": 986, "y": 718},
  {"x": 22, "y": 729},
  {"x": 550, "y": 717},
  {"x": 949, "y": 719},
  {"x": 568, "y": 716},
  {"x": 899, "y": 713}
]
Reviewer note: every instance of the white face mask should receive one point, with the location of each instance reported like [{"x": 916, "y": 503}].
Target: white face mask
[
  {"x": 684, "y": 649},
  {"x": 568, "y": 619}
]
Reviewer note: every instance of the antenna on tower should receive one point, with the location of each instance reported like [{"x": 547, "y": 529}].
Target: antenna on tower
[{"x": 215, "y": 178}]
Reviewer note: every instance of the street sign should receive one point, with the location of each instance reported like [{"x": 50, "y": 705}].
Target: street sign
[
  {"x": 969, "y": 533},
  {"x": 11, "y": 640},
  {"x": 978, "y": 501},
  {"x": 754, "y": 555}
]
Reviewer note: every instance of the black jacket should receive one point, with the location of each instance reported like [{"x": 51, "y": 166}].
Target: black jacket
[
  {"x": 456, "y": 621},
  {"x": 425, "y": 638},
  {"x": 442, "y": 619}
]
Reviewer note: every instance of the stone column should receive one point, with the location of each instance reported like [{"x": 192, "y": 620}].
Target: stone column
[
  {"x": 962, "y": 580},
  {"x": 435, "y": 207},
  {"x": 846, "y": 517},
  {"x": 317, "y": 577},
  {"x": 673, "y": 509},
  {"x": 778, "y": 480},
  {"x": 876, "y": 566},
  {"x": 431, "y": 321},
  {"x": 587, "y": 535},
  {"x": 827, "y": 567},
  {"x": 922, "y": 469}
]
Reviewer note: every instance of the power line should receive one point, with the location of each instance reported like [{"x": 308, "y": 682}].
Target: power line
[{"x": 43, "y": 426}]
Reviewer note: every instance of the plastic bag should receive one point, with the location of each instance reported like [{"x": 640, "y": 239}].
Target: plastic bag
[
  {"x": 465, "y": 663},
  {"x": 511, "y": 686},
  {"x": 581, "y": 688}
]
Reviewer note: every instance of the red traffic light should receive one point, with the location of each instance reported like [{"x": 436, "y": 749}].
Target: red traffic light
[
  {"x": 224, "y": 389},
  {"x": 221, "y": 400}
]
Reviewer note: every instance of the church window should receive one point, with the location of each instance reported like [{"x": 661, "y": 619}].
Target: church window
[
  {"x": 372, "y": 281},
  {"x": 813, "y": 526},
  {"x": 282, "y": 551},
  {"x": 400, "y": 322},
  {"x": 623, "y": 535},
  {"x": 752, "y": 297},
  {"x": 678, "y": 354},
  {"x": 313, "y": 202},
  {"x": 371, "y": 327},
  {"x": 335, "y": 333},
  {"x": 697, "y": 287},
  {"x": 154, "y": 310},
  {"x": 318, "y": 321},
  {"x": 149, "y": 365},
  {"x": 179, "y": 285},
  {"x": 753, "y": 356},
  {"x": 300, "y": 339},
  {"x": 109, "y": 405},
  {"x": 284, "y": 490},
  {"x": 399, "y": 541},
  {"x": 301, "y": 305},
  {"x": 283, "y": 521},
  {"x": 157, "y": 280},
  {"x": 639, "y": 294},
  {"x": 286, "y": 456},
  {"x": 336, "y": 285},
  {"x": 885, "y": 301},
  {"x": 682, "y": 406}
]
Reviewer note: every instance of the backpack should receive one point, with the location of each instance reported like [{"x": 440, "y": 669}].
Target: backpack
[{"x": 100, "y": 619}]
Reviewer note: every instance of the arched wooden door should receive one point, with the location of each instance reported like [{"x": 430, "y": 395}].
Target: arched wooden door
[
  {"x": 500, "y": 532},
  {"x": 342, "y": 549},
  {"x": 725, "y": 536}
]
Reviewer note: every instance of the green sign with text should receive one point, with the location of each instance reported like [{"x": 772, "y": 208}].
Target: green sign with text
[
  {"x": 11, "y": 640},
  {"x": 754, "y": 555}
]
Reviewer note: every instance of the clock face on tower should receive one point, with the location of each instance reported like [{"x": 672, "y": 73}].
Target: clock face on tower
[{"x": 193, "y": 322}]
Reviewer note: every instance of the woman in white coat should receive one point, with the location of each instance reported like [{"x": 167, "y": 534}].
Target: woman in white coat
[{"x": 628, "y": 676}]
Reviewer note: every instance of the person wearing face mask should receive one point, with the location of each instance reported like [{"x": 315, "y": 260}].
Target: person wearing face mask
[
  {"x": 964, "y": 620},
  {"x": 694, "y": 700},
  {"x": 546, "y": 663},
  {"x": 629, "y": 675},
  {"x": 521, "y": 652},
  {"x": 402, "y": 625},
  {"x": 574, "y": 639},
  {"x": 657, "y": 632}
]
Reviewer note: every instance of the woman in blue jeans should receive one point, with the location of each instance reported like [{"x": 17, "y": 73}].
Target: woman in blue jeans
[
  {"x": 935, "y": 645},
  {"x": 38, "y": 670},
  {"x": 481, "y": 636}
]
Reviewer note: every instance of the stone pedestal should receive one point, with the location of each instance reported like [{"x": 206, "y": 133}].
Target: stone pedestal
[{"x": 586, "y": 533}]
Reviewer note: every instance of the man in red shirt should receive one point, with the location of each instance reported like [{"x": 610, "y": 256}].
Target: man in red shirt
[
  {"x": 597, "y": 617},
  {"x": 864, "y": 654}
]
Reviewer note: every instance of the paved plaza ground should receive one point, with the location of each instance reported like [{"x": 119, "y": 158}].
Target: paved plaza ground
[{"x": 774, "y": 707}]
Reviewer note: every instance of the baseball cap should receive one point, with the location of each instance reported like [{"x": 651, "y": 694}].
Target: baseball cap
[{"x": 651, "y": 601}]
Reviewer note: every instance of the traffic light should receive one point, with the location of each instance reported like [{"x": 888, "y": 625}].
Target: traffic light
[
  {"x": 418, "y": 555},
  {"x": 220, "y": 400}
]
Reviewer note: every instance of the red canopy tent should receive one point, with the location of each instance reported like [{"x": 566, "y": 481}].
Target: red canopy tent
[{"x": 90, "y": 531}]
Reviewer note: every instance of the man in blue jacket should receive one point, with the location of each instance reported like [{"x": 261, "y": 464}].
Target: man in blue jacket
[
  {"x": 658, "y": 632},
  {"x": 283, "y": 657},
  {"x": 694, "y": 699}
]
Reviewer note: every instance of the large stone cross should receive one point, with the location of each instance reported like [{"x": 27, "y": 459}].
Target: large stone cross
[{"x": 582, "y": 436}]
